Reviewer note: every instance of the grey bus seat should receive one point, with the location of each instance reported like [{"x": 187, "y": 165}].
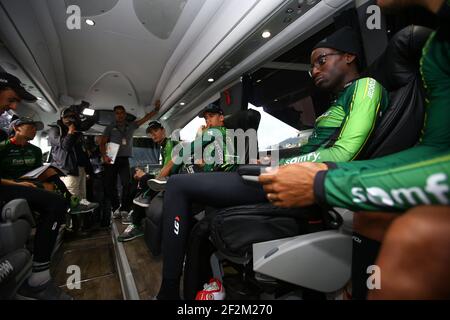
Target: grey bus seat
[
  {"x": 320, "y": 261},
  {"x": 398, "y": 129},
  {"x": 15, "y": 267},
  {"x": 244, "y": 120},
  {"x": 397, "y": 69},
  {"x": 152, "y": 224},
  {"x": 16, "y": 221}
]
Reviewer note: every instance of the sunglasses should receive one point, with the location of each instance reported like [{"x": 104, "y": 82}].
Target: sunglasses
[{"x": 321, "y": 60}]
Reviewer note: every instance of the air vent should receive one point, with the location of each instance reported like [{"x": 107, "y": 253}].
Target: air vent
[{"x": 159, "y": 16}]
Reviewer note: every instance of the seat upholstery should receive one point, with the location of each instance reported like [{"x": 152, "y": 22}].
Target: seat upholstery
[
  {"x": 16, "y": 222},
  {"x": 397, "y": 69},
  {"x": 14, "y": 269}
]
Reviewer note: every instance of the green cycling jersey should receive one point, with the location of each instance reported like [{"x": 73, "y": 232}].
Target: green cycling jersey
[
  {"x": 211, "y": 149},
  {"x": 342, "y": 131},
  {"x": 166, "y": 150},
  {"x": 16, "y": 160}
]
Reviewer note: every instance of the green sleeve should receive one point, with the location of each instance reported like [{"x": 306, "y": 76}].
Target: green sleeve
[
  {"x": 435, "y": 70},
  {"x": 407, "y": 156},
  {"x": 168, "y": 148},
  {"x": 358, "y": 124},
  {"x": 363, "y": 109},
  {"x": 395, "y": 188}
]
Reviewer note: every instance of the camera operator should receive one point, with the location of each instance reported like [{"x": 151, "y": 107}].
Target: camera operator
[{"x": 68, "y": 153}]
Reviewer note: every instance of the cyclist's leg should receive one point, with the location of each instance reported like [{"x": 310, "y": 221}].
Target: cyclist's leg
[
  {"x": 414, "y": 256},
  {"x": 218, "y": 189},
  {"x": 52, "y": 209}
]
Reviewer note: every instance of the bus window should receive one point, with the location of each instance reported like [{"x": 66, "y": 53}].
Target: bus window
[
  {"x": 274, "y": 133},
  {"x": 189, "y": 132},
  {"x": 144, "y": 152}
]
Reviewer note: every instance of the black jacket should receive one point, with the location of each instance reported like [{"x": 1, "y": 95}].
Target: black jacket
[
  {"x": 67, "y": 151},
  {"x": 3, "y": 135}
]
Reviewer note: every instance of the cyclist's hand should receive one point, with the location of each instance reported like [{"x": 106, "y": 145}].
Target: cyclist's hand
[
  {"x": 291, "y": 185},
  {"x": 26, "y": 184},
  {"x": 106, "y": 159}
]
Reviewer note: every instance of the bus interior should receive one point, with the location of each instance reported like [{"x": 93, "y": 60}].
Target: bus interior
[{"x": 243, "y": 55}]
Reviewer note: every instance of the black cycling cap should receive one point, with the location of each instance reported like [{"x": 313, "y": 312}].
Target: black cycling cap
[
  {"x": 211, "y": 108},
  {"x": 8, "y": 80},
  {"x": 344, "y": 40},
  {"x": 25, "y": 120},
  {"x": 154, "y": 125}
]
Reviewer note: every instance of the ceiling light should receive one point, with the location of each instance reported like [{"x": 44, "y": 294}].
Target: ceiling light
[
  {"x": 258, "y": 81},
  {"x": 182, "y": 103},
  {"x": 266, "y": 34},
  {"x": 211, "y": 80},
  {"x": 90, "y": 22},
  {"x": 39, "y": 98}
]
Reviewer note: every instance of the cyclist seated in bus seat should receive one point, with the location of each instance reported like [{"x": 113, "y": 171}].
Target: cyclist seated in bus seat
[
  {"x": 51, "y": 207},
  {"x": 211, "y": 138},
  {"x": 157, "y": 133},
  {"x": 339, "y": 135},
  {"x": 382, "y": 189},
  {"x": 18, "y": 157}
]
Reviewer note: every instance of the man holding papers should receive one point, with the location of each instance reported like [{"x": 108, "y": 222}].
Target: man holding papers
[
  {"x": 18, "y": 157},
  {"x": 120, "y": 133}
]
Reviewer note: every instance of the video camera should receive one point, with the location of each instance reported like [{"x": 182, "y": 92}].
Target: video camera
[{"x": 81, "y": 115}]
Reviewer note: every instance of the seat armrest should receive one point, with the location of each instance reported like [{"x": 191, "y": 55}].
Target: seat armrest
[
  {"x": 16, "y": 209},
  {"x": 320, "y": 261}
]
